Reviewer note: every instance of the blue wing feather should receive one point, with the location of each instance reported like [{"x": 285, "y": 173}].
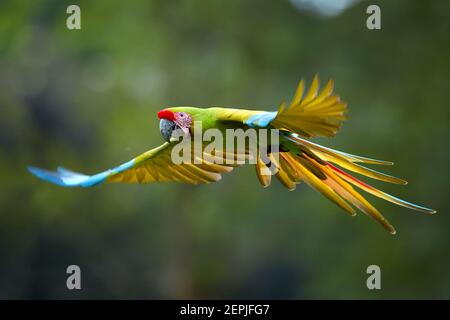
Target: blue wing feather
[
  {"x": 68, "y": 178},
  {"x": 261, "y": 120}
]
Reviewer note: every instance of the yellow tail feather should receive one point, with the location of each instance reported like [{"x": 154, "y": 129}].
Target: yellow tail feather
[{"x": 313, "y": 164}]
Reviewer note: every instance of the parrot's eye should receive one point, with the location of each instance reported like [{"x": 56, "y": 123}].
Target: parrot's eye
[
  {"x": 183, "y": 120},
  {"x": 166, "y": 127}
]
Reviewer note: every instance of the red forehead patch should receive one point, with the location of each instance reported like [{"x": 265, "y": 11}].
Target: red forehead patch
[{"x": 166, "y": 114}]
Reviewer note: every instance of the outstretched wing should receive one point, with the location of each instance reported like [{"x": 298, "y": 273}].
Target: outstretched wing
[
  {"x": 155, "y": 165},
  {"x": 312, "y": 114}
]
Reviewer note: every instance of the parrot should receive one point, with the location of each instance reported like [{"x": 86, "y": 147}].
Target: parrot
[{"x": 313, "y": 112}]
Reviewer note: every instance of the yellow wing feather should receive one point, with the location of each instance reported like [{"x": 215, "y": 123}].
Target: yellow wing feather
[
  {"x": 156, "y": 166},
  {"x": 315, "y": 114}
]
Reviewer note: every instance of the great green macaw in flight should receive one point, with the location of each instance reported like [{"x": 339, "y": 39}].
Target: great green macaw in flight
[{"x": 312, "y": 113}]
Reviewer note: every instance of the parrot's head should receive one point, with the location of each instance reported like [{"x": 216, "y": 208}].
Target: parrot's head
[{"x": 171, "y": 120}]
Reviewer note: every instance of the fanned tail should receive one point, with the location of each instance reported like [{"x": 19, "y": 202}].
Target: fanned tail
[{"x": 317, "y": 166}]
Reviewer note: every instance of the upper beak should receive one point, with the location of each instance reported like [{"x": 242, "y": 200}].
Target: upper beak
[{"x": 166, "y": 127}]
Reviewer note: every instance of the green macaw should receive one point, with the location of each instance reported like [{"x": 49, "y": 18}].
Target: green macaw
[{"x": 309, "y": 114}]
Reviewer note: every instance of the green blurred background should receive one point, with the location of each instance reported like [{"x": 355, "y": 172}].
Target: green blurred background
[{"x": 87, "y": 99}]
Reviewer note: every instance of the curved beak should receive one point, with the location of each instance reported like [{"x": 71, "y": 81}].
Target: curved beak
[{"x": 166, "y": 128}]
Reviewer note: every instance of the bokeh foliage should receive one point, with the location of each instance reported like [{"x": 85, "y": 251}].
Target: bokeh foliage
[{"x": 88, "y": 99}]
